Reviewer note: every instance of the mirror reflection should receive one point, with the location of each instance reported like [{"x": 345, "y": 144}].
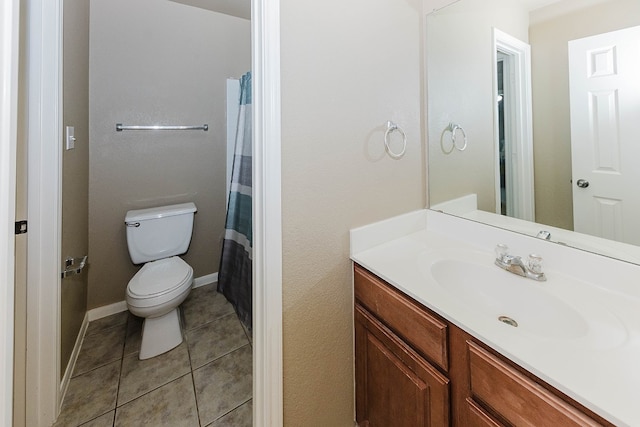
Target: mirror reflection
[{"x": 544, "y": 95}]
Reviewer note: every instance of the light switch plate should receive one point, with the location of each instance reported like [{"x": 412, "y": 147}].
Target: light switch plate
[{"x": 70, "y": 139}]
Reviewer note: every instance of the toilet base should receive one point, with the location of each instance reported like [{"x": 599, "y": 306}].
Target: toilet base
[{"x": 160, "y": 334}]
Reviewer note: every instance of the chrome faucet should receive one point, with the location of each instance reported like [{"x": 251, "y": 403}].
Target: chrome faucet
[{"x": 515, "y": 264}]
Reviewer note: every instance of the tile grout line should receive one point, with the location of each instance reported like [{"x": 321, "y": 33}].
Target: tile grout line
[
  {"x": 101, "y": 366},
  {"x": 105, "y": 363},
  {"x": 231, "y": 410},
  {"x": 210, "y": 321},
  {"x": 124, "y": 344},
  {"x": 186, "y": 333},
  {"x": 135, "y": 354},
  {"x": 149, "y": 391},
  {"x": 96, "y": 367},
  {"x": 195, "y": 328},
  {"x": 223, "y": 355},
  {"x": 193, "y": 381},
  {"x": 208, "y": 363}
]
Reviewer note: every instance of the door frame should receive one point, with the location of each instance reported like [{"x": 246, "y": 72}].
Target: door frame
[
  {"x": 44, "y": 164},
  {"x": 520, "y": 128},
  {"x": 267, "y": 215},
  {"x": 9, "y": 48},
  {"x": 44, "y": 195}
]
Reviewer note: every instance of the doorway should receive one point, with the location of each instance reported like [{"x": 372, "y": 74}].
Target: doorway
[
  {"x": 512, "y": 122},
  {"x": 506, "y": 188},
  {"x": 45, "y": 128}
]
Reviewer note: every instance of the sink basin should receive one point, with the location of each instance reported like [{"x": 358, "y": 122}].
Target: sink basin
[{"x": 491, "y": 291}]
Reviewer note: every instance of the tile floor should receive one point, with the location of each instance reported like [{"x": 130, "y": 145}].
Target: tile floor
[{"x": 205, "y": 381}]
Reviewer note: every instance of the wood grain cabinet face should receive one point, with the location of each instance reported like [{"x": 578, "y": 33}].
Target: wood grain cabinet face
[
  {"x": 394, "y": 385},
  {"x": 478, "y": 417},
  {"x": 415, "y": 369},
  {"x": 424, "y": 332},
  {"x": 517, "y": 398}
]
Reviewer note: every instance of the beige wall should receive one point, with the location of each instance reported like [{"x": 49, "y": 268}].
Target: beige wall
[
  {"x": 460, "y": 90},
  {"x": 347, "y": 67},
  {"x": 551, "y": 129},
  {"x": 157, "y": 62},
  {"x": 75, "y": 171}
]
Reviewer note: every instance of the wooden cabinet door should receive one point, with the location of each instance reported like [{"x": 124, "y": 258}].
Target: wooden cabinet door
[{"x": 394, "y": 385}]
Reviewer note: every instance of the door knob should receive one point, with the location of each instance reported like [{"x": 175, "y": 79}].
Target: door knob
[{"x": 582, "y": 183}]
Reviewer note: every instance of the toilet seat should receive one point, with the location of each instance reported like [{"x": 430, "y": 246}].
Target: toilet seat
[{"x": 159, "y": 281}]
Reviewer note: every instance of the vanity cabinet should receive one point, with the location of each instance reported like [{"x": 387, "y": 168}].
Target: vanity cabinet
[
  {"x": 398, "y": 346},
  {"x": 414, "y": 368}
]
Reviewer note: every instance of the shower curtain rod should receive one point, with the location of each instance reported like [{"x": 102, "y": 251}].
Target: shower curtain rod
[{"x": 120, "y": 127}]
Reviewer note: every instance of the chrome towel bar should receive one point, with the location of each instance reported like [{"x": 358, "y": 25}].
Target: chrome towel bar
[{"x": 120, "y": 127}]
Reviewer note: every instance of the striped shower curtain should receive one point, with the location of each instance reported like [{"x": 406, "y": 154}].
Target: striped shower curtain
[{"x": 235, "y": 274}]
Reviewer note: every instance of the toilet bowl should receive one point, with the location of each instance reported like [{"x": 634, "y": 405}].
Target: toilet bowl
[
  {"x": 155, "y": 293},
  {"x": 156, "y": 236}
]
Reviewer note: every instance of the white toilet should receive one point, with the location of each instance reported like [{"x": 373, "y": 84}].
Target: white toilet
[{"x": 156, "y": 236}]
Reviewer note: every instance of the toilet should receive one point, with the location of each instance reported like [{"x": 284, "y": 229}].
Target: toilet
[{"x": 155, "y": 237}]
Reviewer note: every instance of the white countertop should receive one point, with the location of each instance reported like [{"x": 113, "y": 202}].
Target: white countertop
[{"x": 600, "y": 369}]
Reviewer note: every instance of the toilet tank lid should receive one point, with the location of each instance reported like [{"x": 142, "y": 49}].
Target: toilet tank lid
[{"x": 160, "y": 212}]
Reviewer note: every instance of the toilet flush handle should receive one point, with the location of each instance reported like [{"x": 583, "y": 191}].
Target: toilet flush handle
[{"x": 133, "y": 224}]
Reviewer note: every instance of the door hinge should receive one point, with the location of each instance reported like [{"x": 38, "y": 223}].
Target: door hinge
[{"x": 21, "y": 227}]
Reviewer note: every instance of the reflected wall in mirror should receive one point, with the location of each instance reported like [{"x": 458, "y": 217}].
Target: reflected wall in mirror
[{"x": 463, "y": 88}]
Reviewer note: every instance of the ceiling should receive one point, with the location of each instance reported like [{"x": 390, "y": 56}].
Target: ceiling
[
  {"x": 239, "y": 8},
  {"x": 542, "y": 10}
]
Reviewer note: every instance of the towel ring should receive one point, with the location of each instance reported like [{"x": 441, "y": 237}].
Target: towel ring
[
  {"x": 454, "y": 144},
  {"x": 390, "y": 128},
  {"x": 453, "y": 138}
]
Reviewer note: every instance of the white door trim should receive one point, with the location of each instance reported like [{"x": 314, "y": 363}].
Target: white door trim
[
  {"x": 45, "y": 90},
  {"x": 9, "y": 22},
  {"x": 521, "y": 131},
  {"x": 267, "y": 217},
  {"x": 44, "y": 68}
]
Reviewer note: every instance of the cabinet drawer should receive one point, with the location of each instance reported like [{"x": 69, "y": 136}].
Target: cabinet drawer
[
  {"x": 517, "y": 398},
  {"x": 477, "y": 417},
  {"x": 424, "y": 332}
]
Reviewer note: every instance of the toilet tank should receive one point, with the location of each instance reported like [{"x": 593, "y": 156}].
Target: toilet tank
[{"x": 160, "y": 232}]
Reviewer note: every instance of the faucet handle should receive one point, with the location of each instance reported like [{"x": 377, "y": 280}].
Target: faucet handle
[
  {"x": 544, "y": 234},
  {"x": 535, "y": 263},
  {"x": 502, "y": 251}
]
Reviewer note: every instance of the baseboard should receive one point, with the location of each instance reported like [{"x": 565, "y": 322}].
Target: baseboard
[
  {"x": 205, "y": 280},
  {"x": 106, "y": 310},
  {"x": 64, "y": 384}
]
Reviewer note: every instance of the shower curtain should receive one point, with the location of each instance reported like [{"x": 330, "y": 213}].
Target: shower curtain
[{"x": 234, "y": 273}]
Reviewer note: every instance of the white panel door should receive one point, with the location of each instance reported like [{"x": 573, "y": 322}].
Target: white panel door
[{"x": 604, "y": 73}]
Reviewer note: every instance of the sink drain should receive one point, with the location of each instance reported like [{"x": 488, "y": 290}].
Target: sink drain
[{"x": 508, "y": 320}]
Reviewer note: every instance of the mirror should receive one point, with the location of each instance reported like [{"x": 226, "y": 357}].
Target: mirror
[{"x": 500, "y": 119}]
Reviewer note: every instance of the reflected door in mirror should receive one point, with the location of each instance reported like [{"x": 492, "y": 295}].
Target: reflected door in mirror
[{"x": 605, "y": 134}]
